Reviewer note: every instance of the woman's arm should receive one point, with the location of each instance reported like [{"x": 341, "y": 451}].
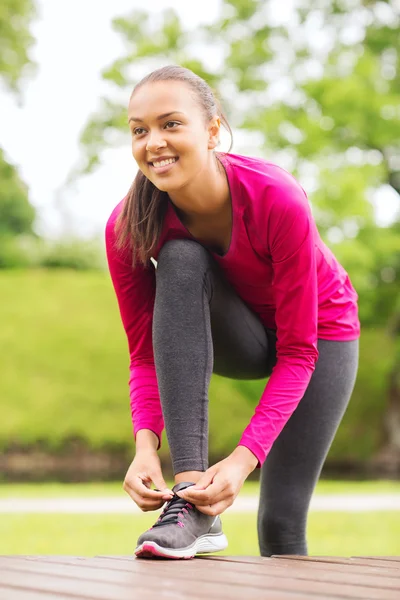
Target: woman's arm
[
  {"x": 135, "y": 291},
  {"x": 290, "y": 242},
  {"x": 146, "y": 440}
]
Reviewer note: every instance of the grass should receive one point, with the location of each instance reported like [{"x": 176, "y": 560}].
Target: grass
[
  {"x": 343, "y": 534},
  {"x": 54, "y": 490}
]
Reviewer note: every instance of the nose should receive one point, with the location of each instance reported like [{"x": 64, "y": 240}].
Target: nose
[{"x": 155, "y": 141}]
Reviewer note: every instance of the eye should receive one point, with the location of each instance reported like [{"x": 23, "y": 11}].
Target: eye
[
  {"x": 172, "y": 123},
  {"x": 137, "y": 131}
]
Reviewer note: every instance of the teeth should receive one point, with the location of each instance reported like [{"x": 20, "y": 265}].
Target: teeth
[{"x": 162, "y": 163}]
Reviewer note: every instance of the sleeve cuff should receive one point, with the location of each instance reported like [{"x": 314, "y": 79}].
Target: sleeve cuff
[{"x": 254, "y": 447}]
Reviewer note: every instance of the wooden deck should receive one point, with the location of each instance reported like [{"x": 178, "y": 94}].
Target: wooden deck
[{"x": 227, "y": 577}]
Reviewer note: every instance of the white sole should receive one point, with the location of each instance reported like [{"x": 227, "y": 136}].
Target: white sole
[{"x": 203, "y": 545}]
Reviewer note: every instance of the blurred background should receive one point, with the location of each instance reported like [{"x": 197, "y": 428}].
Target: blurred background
[{"x": 312, "y": 85}]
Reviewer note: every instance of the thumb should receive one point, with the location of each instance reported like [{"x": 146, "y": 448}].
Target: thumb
[{"x": 160, "y": 484}]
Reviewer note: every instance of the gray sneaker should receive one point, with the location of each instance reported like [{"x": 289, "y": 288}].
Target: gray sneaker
[{"x": 182, "y": 531}]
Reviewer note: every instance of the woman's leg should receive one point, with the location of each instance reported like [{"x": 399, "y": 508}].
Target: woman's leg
[
  {"x": 199, "y": 323},
  {"x": 292, "y": 468}
]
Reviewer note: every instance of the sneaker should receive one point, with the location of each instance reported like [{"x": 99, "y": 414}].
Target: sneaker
[{"x": 182, "y": 531}]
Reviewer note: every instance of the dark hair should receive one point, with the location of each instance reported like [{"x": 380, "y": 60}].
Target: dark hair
[{"x": 140, "y": 222}]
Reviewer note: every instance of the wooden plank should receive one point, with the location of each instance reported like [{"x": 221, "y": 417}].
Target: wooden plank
[
  {"x": 14, "y": 594},
  {"x": 206, "y": 582},
  {"x": 395, "y": 559},
  {"x": 342, "y": 565},
  {"x": 241, "y": 573},
  {"x": 46, "y": 584},
  {"x": 249, "y": 566},
  {"x": 155, "y": 573},
  {"x": 342, "y": 561},
  {"x": 80, "y": 581},
  {"x": 42, "y": 558},
  {"x": 376, "y": 562}
]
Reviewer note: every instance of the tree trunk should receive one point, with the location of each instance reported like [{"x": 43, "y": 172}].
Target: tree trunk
[{"x": 388, "y": 459}]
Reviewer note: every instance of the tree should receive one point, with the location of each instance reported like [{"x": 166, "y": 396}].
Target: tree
[
  {"x": 16, "y": 213},
  {"x": 320, "y": 90},
  {"x": 15, "y": 40}
]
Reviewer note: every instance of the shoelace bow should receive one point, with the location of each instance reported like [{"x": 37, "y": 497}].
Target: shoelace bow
[{"x": 173, "y": 511}]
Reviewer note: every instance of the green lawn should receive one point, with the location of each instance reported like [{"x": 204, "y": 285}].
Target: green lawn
[
  {"x": 51, "y": 490},
  {"x": 340, "y": 534},
  {"x": 345, "y": 534}
]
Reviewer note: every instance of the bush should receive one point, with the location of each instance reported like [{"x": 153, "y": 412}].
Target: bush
[
  {"x": 81, "y": 255},
  {"x": 67, "y": 253},
  {"x": 65, "y": 372},
  {"x": 12, "y": 253}
]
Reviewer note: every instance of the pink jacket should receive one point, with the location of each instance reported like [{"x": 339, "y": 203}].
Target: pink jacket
[{"x": 278, "y": 265}]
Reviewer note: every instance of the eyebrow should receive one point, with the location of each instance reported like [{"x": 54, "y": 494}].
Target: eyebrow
[{"x": 163, "y": 116}]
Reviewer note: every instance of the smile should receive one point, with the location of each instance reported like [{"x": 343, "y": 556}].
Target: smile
[
  {"x": 163, "y": 166},
  {"x": 162, "y": 163}
]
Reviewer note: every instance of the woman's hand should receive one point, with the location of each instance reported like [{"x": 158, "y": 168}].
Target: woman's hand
[
  {"x": 220, "y": 484},
  {"x": 144, "y": 470}
]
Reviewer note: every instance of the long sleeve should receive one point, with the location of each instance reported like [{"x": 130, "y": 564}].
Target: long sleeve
[
  {"x": 135, "y": 291},
  {"x": 290, "y": 244}
]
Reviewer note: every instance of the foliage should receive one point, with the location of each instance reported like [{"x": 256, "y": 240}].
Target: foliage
[
  {"x": 12, "y": 253},
  {"x": 78, "y": 254},
  {"x": 63, "y": 329},
  {"x": 30, "y": 252},
  {"x": 16, "y": 214},
  {"x": 319, "y": 89},
  {"x": 15, "y": 40}
]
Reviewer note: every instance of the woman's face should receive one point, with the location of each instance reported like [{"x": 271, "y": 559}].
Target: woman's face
[{"x": 171, "y": 139}]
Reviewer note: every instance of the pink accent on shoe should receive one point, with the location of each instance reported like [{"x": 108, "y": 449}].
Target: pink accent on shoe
[
  {"x": 149, "y": 551},
  {"x": 180, "y": 524}
]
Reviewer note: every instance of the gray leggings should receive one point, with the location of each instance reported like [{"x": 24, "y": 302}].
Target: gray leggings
[{"x": 201, "y": 326}]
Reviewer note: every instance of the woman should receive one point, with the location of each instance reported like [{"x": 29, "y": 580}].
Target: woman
[{"x": 244, "y": 287}]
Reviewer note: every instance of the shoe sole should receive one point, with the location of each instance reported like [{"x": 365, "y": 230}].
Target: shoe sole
[{"x": 203, "y": 545}]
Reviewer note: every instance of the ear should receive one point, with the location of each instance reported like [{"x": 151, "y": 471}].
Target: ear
[{"x": 213, "y": 132}]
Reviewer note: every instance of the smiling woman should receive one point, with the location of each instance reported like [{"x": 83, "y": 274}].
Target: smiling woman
[
  {"x": 172, "y": 151},
  {"x": 245, "y": 288}
]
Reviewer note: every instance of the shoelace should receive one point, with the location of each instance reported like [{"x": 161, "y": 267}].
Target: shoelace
[{"x": 173, "y": 511}]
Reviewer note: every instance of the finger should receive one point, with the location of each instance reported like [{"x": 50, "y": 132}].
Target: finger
[
  {"x": 167, "y": 494},
  {"x": 205, "y": 480},
  {"x": 203, "y": 483},
  {"x": 144, "y": 503},
  {"x": 224, "y": 496},
  {"x": 207, "y": 496},
  {"x": 138, "y": 487},
  {"x": 214, "y": 509},
  {"x": 160, "y": 485}
]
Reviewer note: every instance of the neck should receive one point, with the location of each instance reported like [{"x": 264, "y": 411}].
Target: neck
[{"x": 201, "y": 201}]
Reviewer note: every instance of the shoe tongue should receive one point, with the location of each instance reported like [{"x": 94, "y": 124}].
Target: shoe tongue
[{"x": 182, "y": 486}]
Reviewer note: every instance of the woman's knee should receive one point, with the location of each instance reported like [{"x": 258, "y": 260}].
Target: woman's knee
[{"x": 183, "y": 259}]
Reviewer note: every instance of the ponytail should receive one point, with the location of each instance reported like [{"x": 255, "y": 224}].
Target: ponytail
[{"x": 139, "y": 224}]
